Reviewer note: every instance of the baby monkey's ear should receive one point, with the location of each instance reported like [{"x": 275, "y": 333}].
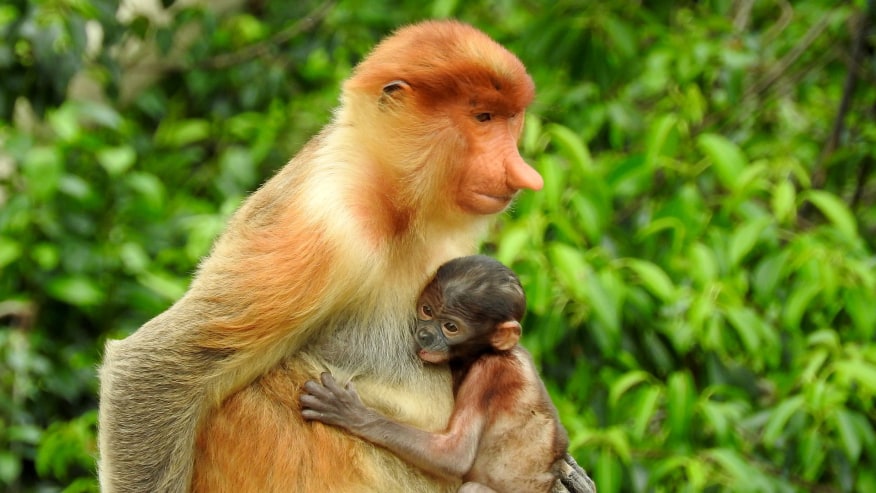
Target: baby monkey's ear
[{"x": 506, "y": 335}]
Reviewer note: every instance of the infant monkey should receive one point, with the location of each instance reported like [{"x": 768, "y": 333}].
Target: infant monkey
[{"x": 504, "y": 433}]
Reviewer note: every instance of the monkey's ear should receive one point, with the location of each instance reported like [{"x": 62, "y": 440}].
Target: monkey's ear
[
  {"x": 395, "y": 86},
  {"x": 391, "y": 93},
  {"x": 506, "y": 335}
]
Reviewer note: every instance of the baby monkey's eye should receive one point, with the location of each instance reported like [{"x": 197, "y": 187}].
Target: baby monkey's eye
[
  {"x": 451, "y": 328},
  {"x": 426, "y": 311}
]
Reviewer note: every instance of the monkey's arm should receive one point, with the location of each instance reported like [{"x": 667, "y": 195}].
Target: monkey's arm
[
  {"x": 449, "y": 454},
  {"x": 152, "y": 395}
]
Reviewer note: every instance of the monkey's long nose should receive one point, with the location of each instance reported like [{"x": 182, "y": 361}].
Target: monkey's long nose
[{"x": 520, "y": 175}]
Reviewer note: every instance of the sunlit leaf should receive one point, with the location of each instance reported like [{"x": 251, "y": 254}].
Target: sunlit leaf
[
  {"x": 680, "y": 396},
  {"x": 644, "y": 410},
  {"x": 744, "y": 238},
  {"x": 116, "y": 160},
  {"x": 858, "y": 372},
  {"x": 570, "y": 268},
  {"x": 797, "y": 302},
  {"x": 76, "y": 290},
  {"x": 726, "y": 157},
  {"x": 624, "y": 384},
  {"x": 608, "y": 472},
  {"x": 571, "y": 146},
  {"x": 835, "y": 210},
  {"x": 848, "y": 431},
  {"x": 10, "y": 250},
  {"x": 653, "y": 278},
  {"x": 783, "y": 201},
  {"x": 178, "y": 133},
  {"x": 703, "y": 266},
  {"x": 658, "y": 133},
  {"x": 778, "y": 418}
]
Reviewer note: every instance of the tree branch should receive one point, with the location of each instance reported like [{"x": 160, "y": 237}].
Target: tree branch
[
  {"x": 820, "y": 175},
  {"x": 261, "y": 48}
]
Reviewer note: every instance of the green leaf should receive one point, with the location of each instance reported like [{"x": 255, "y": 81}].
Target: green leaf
[
  {"x": 76, "y": 290},
  {"x": 608, "y": 472},
  {"x": 783, "y": 202},
  {"x": 554, "y": 175},
  {"x": 644, "y": 409},
  {"x": 703, "y": 265},
  {"x": 10, "y": 251},
  {"x": 624, "y": 384},
  {"x": 148, "y": 186},
  {"x": 658, "y": 133},
  {"x": 170, "y": 287},
  {"x": 726, "y": 157},
  {"x": 811, "y": 453},
  {"x": 64, "y": 121},
  {"x": 590, "y": 220},
  {"x": 570, "y": 145},
  {"x": 653, "y": 278},
  {"x": 10, "y": 467},
  {"x": 797, "y": 302},
  {"x": 768, "y": 273},
  {"x": 750, "y": 329},
  {"x": 857, "y": 372},
  {"x": 745, "y": 238},
  {"x": 859, "y": 303},
  {"x": 43, "y": 168},
  {"x": 779, "y": 417},
  {"x": 514, "y": 239},
  {"x": 680, "y": 395},
  {"x": 117, "y": 160},
  {"x": 570, "y": 268},
  {"x": 604, "y": 293},
  {"x": 532, "y": 134},
  {"x": 814, "y": 363},
  {"x": 183, "y": 132},
  {"x": 623, "y": 38},
  {"x": 743, "y": 476},
  {"x": 835, "y": 210},
  {"x": 847, "y": 429}
]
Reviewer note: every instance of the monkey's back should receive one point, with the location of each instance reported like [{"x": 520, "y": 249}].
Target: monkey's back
[{"x": 522, "y": 442}]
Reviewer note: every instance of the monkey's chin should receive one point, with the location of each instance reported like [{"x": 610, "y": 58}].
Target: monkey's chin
[{"x": 430, "y": 357}]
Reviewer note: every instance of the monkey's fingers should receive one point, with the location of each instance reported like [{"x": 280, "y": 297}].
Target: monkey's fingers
[
  {"x": 314, "y": 389},
  {"x": 311, "y": 404},
  {"x": 329, "y": 381},
  {"x": 347, "y": 392}
]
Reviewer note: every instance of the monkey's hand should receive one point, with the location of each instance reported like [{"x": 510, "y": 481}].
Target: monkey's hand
[{"x": 335, "y": 405}]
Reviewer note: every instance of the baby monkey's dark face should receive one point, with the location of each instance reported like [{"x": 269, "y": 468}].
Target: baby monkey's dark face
[{"x": 463, "y": 306}]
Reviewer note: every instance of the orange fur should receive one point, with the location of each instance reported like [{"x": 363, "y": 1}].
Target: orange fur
[{"x": 318, "y": 270}]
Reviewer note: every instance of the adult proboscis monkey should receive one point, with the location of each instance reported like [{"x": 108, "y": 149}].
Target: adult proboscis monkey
[{"x": 318, "y": 271}]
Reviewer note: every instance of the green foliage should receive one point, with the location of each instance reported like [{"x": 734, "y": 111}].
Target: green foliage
[{"x": 700, "y": 264}]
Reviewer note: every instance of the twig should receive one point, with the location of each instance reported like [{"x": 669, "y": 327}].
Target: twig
[
  {"x": 261, "y": 48},
  {"x": 851, "y": 82},
  {"x": 786, "y": 61}
]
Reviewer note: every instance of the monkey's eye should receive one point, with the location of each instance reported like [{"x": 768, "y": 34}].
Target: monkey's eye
[
  {"x": 483, "y": 117},
  {"x": 451, "y": 328},
  {"x": 426, "y": 311}
]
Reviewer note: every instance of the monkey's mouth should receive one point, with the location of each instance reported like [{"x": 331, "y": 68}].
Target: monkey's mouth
[
  {"x": 499, "y": 198},
  {"x": 495, "y": 203},
  {"x": 431, "y": 357}
]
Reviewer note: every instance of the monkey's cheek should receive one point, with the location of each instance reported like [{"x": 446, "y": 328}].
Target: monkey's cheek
[{"x": 432, "y": 357}]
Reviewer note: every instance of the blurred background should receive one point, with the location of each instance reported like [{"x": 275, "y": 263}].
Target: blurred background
[{"x": 700, "y": 265}]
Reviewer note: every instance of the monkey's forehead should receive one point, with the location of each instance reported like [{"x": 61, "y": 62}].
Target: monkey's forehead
[{"x": 446, "y": 59}]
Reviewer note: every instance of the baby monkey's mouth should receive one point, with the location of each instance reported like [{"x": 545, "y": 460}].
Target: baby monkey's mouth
[{"x": 431, "y": 357}]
